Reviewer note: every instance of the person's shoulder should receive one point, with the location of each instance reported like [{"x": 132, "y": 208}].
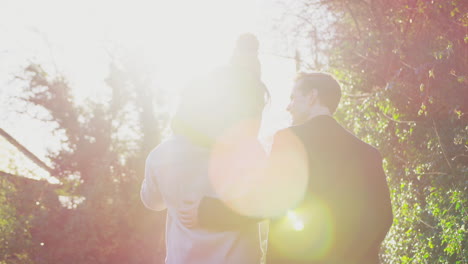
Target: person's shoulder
[
  {"x": 287, "y": 138},
  {"x": 285, "y": 132},
  {"x": 369, "y": 150},
  {"x": 304, "y": 130},
  {"x": 359, "y": 143},
  {"x": 164, "y": 148},
  {"x": 373, "y": 151}
]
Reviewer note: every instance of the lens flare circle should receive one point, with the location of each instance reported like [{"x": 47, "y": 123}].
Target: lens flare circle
[
  {"x": 252, "y": 183},
  {"x": 305, "y": 234},
  {"x": 286, "y": 175},
  {"x": 236, "y": 167}
]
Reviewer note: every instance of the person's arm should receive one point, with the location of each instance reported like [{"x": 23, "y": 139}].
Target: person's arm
[
  {"x": 377, "y": 210},
  {"x": 150, "y": 194},
  {"x": 384, "y": 215},
  {"x": 213, "y": 214},
  {"x": 287, "y": 157}
]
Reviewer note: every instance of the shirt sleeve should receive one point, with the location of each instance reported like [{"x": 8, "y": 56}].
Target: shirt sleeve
[{"x": 150, "y": 193}]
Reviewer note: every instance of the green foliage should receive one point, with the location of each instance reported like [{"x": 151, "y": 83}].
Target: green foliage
[
  {"x": 13, "y": 227},
  {"x": 95, "y": 214},
  {"x": 403, "y": 66}
]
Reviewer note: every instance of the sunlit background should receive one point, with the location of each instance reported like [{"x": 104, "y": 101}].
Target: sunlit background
[
  {"x": 173, "y": 41},
  {"x": 403, "y": 70}
]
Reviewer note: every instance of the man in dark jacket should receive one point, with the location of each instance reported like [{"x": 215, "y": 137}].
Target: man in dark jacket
[{"x": 345, "y": 212}]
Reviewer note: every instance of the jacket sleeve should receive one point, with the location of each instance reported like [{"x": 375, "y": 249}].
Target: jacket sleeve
[
  {"x": 378, "y": 217},
  {"x": 383, "y": 214}
]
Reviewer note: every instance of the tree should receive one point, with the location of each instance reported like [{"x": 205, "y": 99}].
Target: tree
[
  {"x": 403, "y": 65},
  {"x": 94, "y": 215}
]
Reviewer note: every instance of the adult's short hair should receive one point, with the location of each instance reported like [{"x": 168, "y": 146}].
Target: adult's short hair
[{"x": 329, "y": 90}]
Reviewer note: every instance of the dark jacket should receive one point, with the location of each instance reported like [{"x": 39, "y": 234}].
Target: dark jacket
[{"x": 346, "y": 212}]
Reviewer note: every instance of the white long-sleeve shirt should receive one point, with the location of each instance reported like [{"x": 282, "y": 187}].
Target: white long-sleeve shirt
[{"x": 177, "y": 171}]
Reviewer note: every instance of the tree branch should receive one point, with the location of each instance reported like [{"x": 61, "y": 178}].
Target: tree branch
[
  {"x": 22, "y": 180},
  {"x": 440, "y": 143},
  {"x": 25, "y": 151},
  {"x": 358, "y": 28},
  {"x": 397, "y": 121},
  {"x": 6, "y": 174}
]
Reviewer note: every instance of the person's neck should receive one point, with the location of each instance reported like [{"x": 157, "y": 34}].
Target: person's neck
[
  {"x": 315, "y": 111},
  {"x": 318, "y": 110}
]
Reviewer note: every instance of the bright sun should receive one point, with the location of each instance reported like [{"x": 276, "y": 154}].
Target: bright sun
[{"x": 180, "y": 39}]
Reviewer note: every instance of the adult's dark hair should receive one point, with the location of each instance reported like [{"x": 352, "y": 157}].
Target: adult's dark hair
[
  {"x": 229, "y": 95},
  {"x": 245, "y": 63},
  {"x": 329, "y": 90}
]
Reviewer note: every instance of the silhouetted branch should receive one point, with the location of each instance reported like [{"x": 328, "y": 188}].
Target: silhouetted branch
[
  {"x": 25, "y": 151},
  {"x": 440, "y": 143},
  {"x": 6, "y": 174},
  {"x": 358, "y": 28}
]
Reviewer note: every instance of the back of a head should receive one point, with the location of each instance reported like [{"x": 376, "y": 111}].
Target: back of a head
[
  {"x": 245, "y": 71},
  {"x": 329, "y": 90},
  {"x": 245, "y": 55},
  {"x": 228, "y": 96},
  {"x": 208, "y": 109},
  {"x": 247, "y": 43}
]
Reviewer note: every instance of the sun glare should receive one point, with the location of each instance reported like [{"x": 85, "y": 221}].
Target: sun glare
[
  {"x": 173, "y": 41},
  {"x": 253, "y": 185}
]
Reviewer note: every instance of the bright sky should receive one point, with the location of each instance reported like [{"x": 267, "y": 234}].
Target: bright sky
[{"x": 176, "y": 39}]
